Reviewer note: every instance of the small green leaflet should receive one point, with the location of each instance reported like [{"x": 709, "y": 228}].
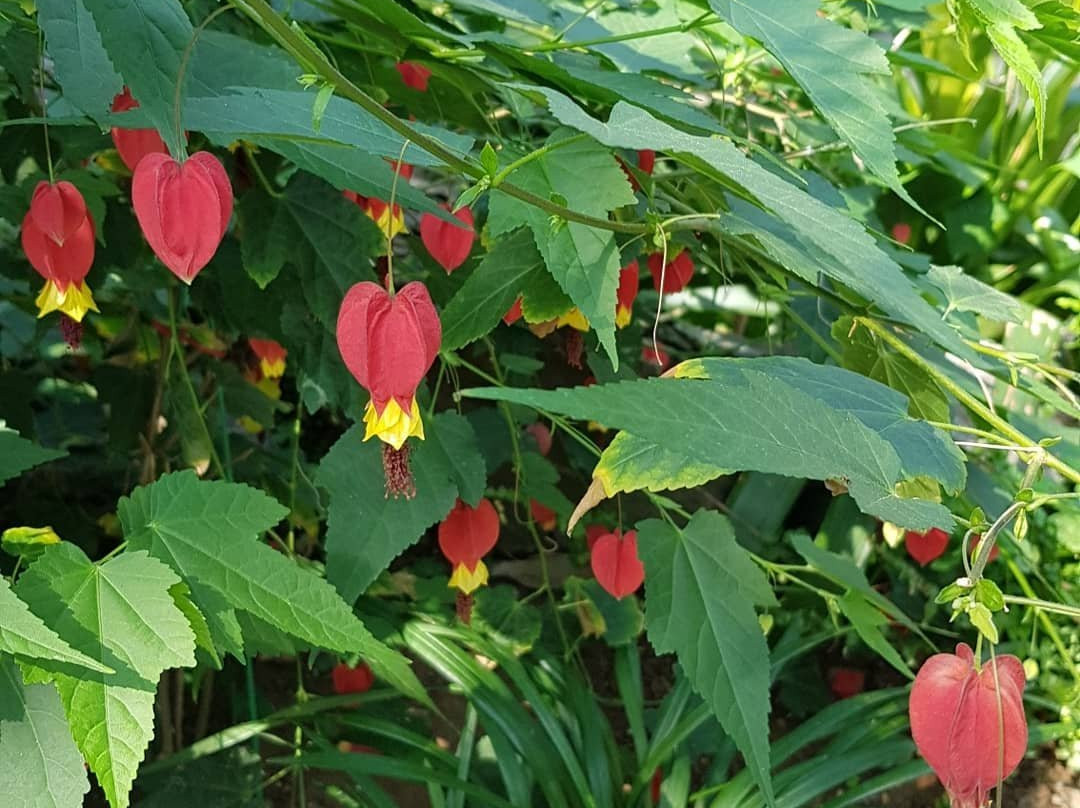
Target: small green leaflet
[
  {"x": 834, "y": 65},
  {"x": 42, "y": 766},
  {"x": 207, "y": 532},
  {"x": 145, "y": 40},
  {"x": 868, "y": 622},
  {"x": 120, "y": 613},
  {"x": 366, "y": 530},
  {"x": 700, "y": 592},
  {"x": 584, "y": 260},
  {"x": 23, "y": 634},
  {"x": 18, "y": 454},
  {"x": 842, "y": 241}
]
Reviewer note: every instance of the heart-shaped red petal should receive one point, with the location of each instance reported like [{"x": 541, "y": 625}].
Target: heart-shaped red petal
[
  {"x": 183, "y": 209},
  {"x": 448, "y": 244},
  {"x": 616, "y": 565},
  {"x": 925, "y": 547}
]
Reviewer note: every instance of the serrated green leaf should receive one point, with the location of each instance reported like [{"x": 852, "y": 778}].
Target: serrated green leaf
[
  {"x": 630, "y": 463},
  {"x": 1005, "y": 12},
  {"x": 18, "y": 454},
  {"x": 264, "y": 235},
  {"x": 489, "y": 161},
  {"x": 847, "y": 252},
  {"x": 490, "y": 290},
  {"x": 80, "y": 64},
  {"x": 989, "y": 595},
  {"x": 868, "y": 622},
  {"x": 206, "y": 531},
  {"x": 200, "y": 628},
  {"x": 366, "y": 529},
  {"x": 42, "y": 766},
  {"x": 865, "y": 354},
  {"x": 333, "y": 247},
  {"x": 499, "y": 612},
  {"x": 145, "y": 41},
  {"x": 584, "y": 260},
  {"x": 701, "y": 588},
  {"x": 965, "y": 293},
  {"x": 23, "y": 634},
  {"x": 778, "y": 415},
  {"x": 122, "y": 615},
  {"x": 835, "y": 66}
]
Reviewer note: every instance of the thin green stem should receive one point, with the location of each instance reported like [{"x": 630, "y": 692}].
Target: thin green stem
[
  {"x": 182, "y": 72},
  {"x": 1046, "y": 605},
  {"x": 390, "y": 220},
  {"x": 701, "y": 21},
  {"x": 262, "y": 178},
  {"x": 969, "y": 401},
  {"x": 543, "y": 151},
  {"x": 44, "y": 108}
]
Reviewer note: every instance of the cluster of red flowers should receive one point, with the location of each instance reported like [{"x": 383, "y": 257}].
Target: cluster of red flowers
[{"x": 183, "y": 210}]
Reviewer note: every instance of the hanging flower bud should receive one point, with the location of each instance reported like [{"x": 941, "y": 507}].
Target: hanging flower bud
[
  {"x": 846, "y": 682},
  {"x": 58, "y": 239},
  {"x": 925, "y": 547},
  {"x": 543, "y": 515},
  {"x": 514, "y": 313},
  {"x": 448, "y": 244},
  {"x": 629, "y": 280},
  {"x": 542, "y": 435},
  {"x": 901, "y": 231},
  {"x": 389, "y": 344},
  {"x": 414, "y": 75},
  {"x": 676, "y": 275},
  {"x": 466, "y": 535},
  {"x": 352, "y": 680},
  {"x": 271, "y": 356},
  {"x": 646, "y": 160},
  {"x": 183, "y": 209},
  {"x": 615, "y": 563},
  {"x": 970, "y": 742},
  {"x": 391, "y": 223},
  {"x": 134, "y": 144}
]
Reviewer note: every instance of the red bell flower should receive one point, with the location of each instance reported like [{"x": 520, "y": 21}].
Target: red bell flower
[
  {"x": 448, "y": 244},
  {"x": 271, "y": 356},
  {"x": 925, "y": 547},
  {"x": 676, "y": 275},
  {"x": 514, "y": 314},
  {"x": 615, "y": 563},
  {"x": 466, "y": 535},
  {"x": 134, "y": 144},
  {"x": 901, "y": 231},
  {"x": 542, "y": 435},
  {"x": 543, "y": 515},
  {"x": 58, "y": 239},
  {"x": 414, "y": 75},
  {"x": 846, "y": 682},
  {"x": 352, "y": 680},
  {"x": 968, "y": 722},
  {"x": 629, "y": 281},
  {"x": 646, "y": 160},
  {"x": 388, "y": 343},
  {"x": 183, "y": 209}
]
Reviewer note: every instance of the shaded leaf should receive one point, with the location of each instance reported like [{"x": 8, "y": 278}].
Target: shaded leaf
[
  {"x": 701, "y": 589},
  {"x": 366, "y": 529},
  {"x": 18, "y": 454}
]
